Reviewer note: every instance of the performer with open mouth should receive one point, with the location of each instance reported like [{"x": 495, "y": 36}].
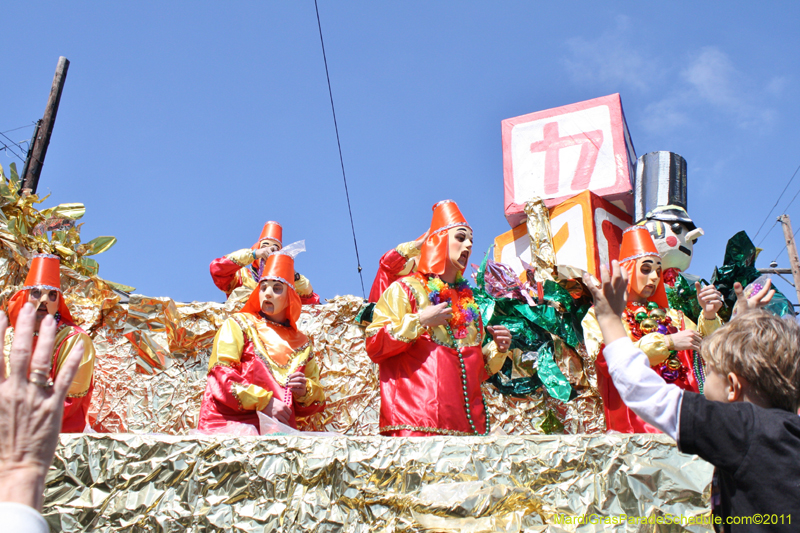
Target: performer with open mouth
[{"x": 426, "y": 337}]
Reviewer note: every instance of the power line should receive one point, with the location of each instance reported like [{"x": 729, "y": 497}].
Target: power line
[
  {"x": 8, "y": 148},
  {"x": 21, "y": 127},
  {"x": 778, "y": 200},
  {"x": 339, "y": 143},
  {"x": 767, "y": 233}
]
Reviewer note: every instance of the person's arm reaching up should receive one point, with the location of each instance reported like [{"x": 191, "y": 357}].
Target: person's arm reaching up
[{"x": 639, "y": 386}]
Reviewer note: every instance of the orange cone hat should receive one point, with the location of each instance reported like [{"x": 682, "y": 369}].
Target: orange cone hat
[
  {"x": 278, "y": 267},
  {"x": 434, "y": 252},
  {"x": 272, "y": 230},
  {"x": 44, "y": 273},
  {"x": 637, "y": 243}
]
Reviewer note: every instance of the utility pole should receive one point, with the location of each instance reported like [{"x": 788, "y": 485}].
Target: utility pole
[
  {"x": 791, "y": 249},
  {"x": 44, "y": 129}
]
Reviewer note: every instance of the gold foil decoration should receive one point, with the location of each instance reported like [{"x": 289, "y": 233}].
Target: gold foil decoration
[
  {"x": 143, "y": 483},
  {"x": 150, "y": 474},
  {"x": 543, "y": 255}
]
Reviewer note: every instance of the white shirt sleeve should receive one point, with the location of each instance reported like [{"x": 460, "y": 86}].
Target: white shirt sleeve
[
  {"x": 642, "y": 390},
  {"x": 20, "y": 518}
]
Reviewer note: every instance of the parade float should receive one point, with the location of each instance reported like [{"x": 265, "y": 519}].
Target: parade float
[{"x": 572, "y": 184}]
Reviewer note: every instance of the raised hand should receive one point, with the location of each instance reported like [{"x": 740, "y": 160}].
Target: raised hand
[
  {"x": 609, "y": 300},
  {"x": 31, "y": 407},
  {"x": 756, "y": 301},
  {"x": 419, "y": 242},
  {"x": 710, "y": 300}
]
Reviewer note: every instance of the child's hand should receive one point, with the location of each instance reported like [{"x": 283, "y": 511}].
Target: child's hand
[
  {"x": 756, "y": 301},
  {"x": 710, "y": 300},
  {"x": 611, "y": 296},
  {"x": 609, "y": 300}
]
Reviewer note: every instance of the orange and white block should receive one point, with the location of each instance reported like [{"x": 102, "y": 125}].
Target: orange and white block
[{"x": 586, "y": 229}]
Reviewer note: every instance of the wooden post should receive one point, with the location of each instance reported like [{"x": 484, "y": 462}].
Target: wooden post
[
  {"x": 35, "y": 159},
  {"x": 791, "y": 249}
]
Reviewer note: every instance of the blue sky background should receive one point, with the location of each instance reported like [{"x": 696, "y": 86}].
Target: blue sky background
[{"x": 184, "y": 126}]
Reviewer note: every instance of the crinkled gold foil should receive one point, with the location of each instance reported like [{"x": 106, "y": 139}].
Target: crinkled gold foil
[
  {"x": 543, "y": 255},
  {"x": 138, "y": 483}
]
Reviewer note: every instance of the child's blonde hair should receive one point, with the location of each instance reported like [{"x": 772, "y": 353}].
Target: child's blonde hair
[{"x": 764, "y": 350}]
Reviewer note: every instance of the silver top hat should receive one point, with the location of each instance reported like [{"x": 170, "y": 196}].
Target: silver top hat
[{"x": 660, "y": 180}]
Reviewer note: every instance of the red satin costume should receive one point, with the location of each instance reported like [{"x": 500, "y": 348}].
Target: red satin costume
[
  {"x": 252, "y": 360},
  {"x": 421, "y": 380},
  {"x": 636, "y": 244},
  {"x": 45, "y": 274},
  {"x": 239, "y": 268}
]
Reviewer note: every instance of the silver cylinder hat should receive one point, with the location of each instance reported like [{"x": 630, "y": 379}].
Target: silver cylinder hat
[{"x": 660, "y": 180}]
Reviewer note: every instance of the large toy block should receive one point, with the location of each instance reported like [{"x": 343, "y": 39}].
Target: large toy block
[
  {"x": 557, "y": 153},
  {"x": 586, "y": 229}
]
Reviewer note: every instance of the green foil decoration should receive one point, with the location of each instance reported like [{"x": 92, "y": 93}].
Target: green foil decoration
[
  {"x": 683, "y": 296},
  {"x": 738, "y": 265},
  {"x": 531, "y": 330},
  {"x": 557, "y": 385},
  {"x": 551, "y": 424}
]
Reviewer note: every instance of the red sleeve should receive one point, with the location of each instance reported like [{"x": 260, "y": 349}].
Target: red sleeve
[
  {"x": 223, "y": 272},
  {"x": 75, "y": 411},
  {"x": 389, "y": 268},
  {"x": 220, "y": 382},
  {"x": 383, "y": 345},
  {"x": 308, "y": 410},
  {"x": 312, "y": 299}
]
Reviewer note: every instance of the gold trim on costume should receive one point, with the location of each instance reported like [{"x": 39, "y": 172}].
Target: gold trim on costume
[
  {"x": 438, "y": 431},
  {"x": 279, "y": 372}
]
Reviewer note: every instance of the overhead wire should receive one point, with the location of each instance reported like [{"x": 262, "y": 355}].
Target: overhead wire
[
  {"x": 8, "y": 148},
  {"x": 776, "y": 202},
  {"x": 339, "y": 143},
  {"x": 21, "y": 127}
]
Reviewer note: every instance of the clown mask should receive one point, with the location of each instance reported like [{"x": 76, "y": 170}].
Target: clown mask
[
  {"x": 646, "y": 278},
  {"x": 273, "y": 296},
  {"x": 45, "y": 301},
  {"x": 459, "y": 242}
]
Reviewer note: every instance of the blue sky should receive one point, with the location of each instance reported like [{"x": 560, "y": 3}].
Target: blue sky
[{"x": 184, "y": 126}]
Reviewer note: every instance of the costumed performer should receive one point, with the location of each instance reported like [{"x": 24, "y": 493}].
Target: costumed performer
[
  {"x": 395, "y": 264},
  {"x": 259, "y": 360},
  {"x": 43, "y": 289},
  {"x": 426, "y": 337},
  {"x": 665, "y": 335},
  {"x": 243, "y": 267}
]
